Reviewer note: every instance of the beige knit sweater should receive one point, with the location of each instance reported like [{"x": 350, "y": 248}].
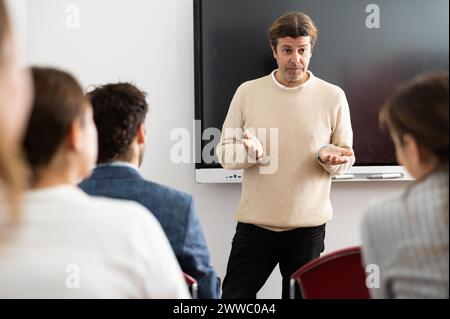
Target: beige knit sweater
[{"x": 289, "y": 187}]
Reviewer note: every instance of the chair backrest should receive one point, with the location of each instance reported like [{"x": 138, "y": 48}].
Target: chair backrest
[
  {"x": 192, "y": 285},
  {"x": 337, "y": 275}
]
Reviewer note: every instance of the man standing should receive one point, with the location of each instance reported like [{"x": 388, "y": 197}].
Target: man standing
[
  {"x": 282, "y": 215},
  {"x": 119, "y": 114}
]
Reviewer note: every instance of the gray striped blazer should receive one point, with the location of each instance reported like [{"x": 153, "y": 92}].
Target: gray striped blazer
[{"x": 406, "y": 236}]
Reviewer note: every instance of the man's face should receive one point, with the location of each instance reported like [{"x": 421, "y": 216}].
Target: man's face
[
  {"x": 143, "y": 142},
  {"x": 89, "y": 143},
  {"x": 141, "y": 154},
  {"x": 293, "y": 56}
]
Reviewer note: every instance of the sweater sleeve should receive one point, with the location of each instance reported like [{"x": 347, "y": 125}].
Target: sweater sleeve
[
  {"x": 342, "y": 136},
  {"x": 230, "y": 151}
]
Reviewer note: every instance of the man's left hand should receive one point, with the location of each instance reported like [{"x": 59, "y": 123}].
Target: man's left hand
[{"x": 334, "y": 155}]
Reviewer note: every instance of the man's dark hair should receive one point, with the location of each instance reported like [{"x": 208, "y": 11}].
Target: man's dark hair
[
  {"x": 119, "y": 110},
  {"x": 294, "y": 25}
]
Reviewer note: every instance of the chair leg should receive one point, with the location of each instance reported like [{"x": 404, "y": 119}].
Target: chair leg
[
  {"x": 219, "y": 286},
  {"x": 194, "y": 291},
  {"x": 292, "y": 284}
]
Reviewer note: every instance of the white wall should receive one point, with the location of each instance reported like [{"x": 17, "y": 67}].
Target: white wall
[{"x": 151, "y": 43}]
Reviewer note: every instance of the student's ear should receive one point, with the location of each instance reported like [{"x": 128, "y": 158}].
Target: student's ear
[
  {"x": 75, "y": 136},
  {"x": 141, "y": 134},
  {"x": 412, "y": 148}
]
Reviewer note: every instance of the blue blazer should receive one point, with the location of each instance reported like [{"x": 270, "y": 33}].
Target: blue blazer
[{"x": 174, "y": 210}]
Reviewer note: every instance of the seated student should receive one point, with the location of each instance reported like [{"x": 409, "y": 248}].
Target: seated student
[
  {"x": 406, "y": 236},
  {"x": 119, "y": 114},
  {"x": 15, "y": 94},
  {"x": 68, "y": 244}
]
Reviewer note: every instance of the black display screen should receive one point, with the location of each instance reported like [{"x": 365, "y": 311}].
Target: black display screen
[{"x": 368, "y": 61}]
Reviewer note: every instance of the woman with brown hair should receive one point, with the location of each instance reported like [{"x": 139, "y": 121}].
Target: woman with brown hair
[
  {"x": 14, "y": 107},
  {"x": 405, "y": 238},
  {"x": 68, "y": 244}
]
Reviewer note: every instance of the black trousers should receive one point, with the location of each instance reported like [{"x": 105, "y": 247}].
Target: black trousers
[{"x": 256, "y": 251}]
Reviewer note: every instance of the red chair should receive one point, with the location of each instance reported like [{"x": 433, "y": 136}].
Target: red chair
[
  {"x": 192, "y": 285},
  {"x": 337, "y": 275}
]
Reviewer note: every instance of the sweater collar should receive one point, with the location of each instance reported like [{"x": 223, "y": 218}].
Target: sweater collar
[{"x": 311, "y": 76}]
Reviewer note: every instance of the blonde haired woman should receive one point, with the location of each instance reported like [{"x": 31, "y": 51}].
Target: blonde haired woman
[{"x": 14, "y": 108}]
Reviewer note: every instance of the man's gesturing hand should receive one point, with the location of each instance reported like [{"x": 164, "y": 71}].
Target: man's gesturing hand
[
  {"x": 334, "y": 155},
  {"x": 252, "y": 145}
]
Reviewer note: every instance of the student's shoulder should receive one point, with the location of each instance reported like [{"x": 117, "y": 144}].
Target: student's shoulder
[
  {"x": 169, "y": 194},
  {"x": 129, "y": 228},
  {"x": 120, "y": 212},
  {"x": 382, "y": 210}
]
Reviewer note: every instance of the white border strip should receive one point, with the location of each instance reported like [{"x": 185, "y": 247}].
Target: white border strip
[{"x": 220, "y": 175}]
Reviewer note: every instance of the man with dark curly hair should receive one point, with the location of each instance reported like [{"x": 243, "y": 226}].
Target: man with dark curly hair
[{"x": 119, "y": 114}]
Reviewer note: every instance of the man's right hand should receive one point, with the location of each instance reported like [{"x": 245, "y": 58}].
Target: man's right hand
[{"x": 252, "y": 145}]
